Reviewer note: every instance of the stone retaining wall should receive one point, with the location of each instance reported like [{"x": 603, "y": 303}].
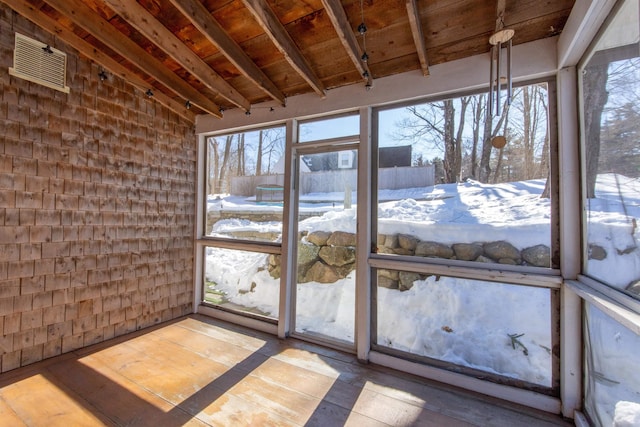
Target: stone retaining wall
[
  {"x": 325, "y": 257},
  {"x": 501, "y": 252}
]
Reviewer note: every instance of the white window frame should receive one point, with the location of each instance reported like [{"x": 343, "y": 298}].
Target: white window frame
[
  {"x": 533, "y": 60},
  {"x": 580, "y": 31}
]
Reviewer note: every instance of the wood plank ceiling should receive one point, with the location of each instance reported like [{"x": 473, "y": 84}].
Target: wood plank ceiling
[{"x": 214, "y": 55}]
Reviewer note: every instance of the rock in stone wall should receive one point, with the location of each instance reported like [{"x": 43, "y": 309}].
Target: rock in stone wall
[{"x": 323, "y": 257}]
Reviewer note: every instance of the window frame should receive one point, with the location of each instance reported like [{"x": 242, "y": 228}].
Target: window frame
[
  {"x": 327, "y": 141},
  {"x": 589, "y": 287},
  {"x": 612, "y": 301},
  {"x": 202, "y": 241},
  {"x": 549, "y": 278},
  {"x": 398, "y": 88},
  {"x": 495, "y": 270}
]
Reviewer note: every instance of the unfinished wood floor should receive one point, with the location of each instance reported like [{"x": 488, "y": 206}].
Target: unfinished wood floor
[{"x": 197, "y": 371}]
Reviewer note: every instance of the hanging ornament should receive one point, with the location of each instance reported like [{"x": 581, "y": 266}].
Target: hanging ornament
[
  {"x": 498, "y": 142},
  {"x": 496, "y": 80}
]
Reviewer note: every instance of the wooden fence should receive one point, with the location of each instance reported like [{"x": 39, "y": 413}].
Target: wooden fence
[{"x": 335, "y": 181}]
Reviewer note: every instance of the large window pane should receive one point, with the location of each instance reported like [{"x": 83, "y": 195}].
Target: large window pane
[
  {"x": 611, "y": 145},
  {"x": 245, "y": 181},
  {"x": 242, "y": 281},
  {"x": 457, "y": 183},
  {"x": 498, "y": 328},
  {"x": 612, "y": 390},
  {"x": 325, "y": 291},
  {"x": 327, "y": 128}
]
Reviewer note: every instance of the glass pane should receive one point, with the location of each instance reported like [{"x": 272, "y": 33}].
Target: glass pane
[
  {"x": 498, "y": 328},
  {"x": 457, "y": 183},
  {"x": 243, "y": 281},
  {"x": 611, "y": 98},
  {"x": 334, "y": 127},
  {"x": 325, "y": 292},
  {"x": 245, "y": 181},
  {"x": 612, "y": 390}
]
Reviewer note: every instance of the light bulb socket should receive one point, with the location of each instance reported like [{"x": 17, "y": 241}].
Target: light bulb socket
[
  {"x": 362, "y": 28},
  {"x": 149, "y": 93},
  {"x": 365, "y": 57}
]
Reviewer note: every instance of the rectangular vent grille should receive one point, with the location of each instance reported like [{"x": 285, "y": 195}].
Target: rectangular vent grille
[{"x": 39, "y": 63}]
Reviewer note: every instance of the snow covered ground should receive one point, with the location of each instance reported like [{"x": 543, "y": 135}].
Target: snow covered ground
[{"x": 497, "y": 328}]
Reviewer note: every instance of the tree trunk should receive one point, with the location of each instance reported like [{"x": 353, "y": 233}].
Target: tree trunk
[
  {"x": 240, "y": 153},
  {"x": 488, "y": 134},
  {"x": 504, "y": 121},
  {"x": 527, "y": 142},
  {"x": 477, "y": 116},
  {"x": 464, "y": 103},
  {"x": 485, "y": 158},
  {"x": 595, "y": 98},
  {"x": 449, "y": 144},
  {"x": 259, "y": 156},
  {"x": 214, "y": 164},
  {"x": 225, "y": 162}
]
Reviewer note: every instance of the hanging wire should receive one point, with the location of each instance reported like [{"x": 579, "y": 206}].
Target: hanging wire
[{"x": 362, "y": 29}]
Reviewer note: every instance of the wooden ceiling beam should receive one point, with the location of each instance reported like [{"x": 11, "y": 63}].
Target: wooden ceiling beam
[
  {"x": 84, "y": 17},
  {"x": 140, "y": 19},
  {"x": 202, "y": 19},
  {"x": 418, "y": 36},
  {"x": 283, "y": 41},
  {"x": 43, "y": 21},
  {"x": 341, "y": 23}
]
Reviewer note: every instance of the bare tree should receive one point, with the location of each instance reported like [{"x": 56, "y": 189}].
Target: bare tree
[
  {"x": 435, "y": 125},
  {"x": 225, "y": 163},
  {"x": 213, "y": 165},
  {"x": 497, "y": 176},
  {"x": 595, "y": 97},
  {"x": 489, "y": 132},
  {"x": 240, "y": 170},
  {"x": 259, "y": 153},
  {"x": 272, "y": 147},
  {"x": 461, "y": 131},
  {"x": 477, "y": 106}
]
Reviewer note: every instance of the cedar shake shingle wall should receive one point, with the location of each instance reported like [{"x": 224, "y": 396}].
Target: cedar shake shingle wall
[{"x": 96, "y": 208}]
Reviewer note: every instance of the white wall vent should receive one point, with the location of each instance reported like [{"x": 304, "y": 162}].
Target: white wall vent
[{"x": 39, "y": 63}]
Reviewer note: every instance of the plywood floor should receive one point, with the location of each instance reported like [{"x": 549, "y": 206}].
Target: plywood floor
[{"x": 197, "y": 371}]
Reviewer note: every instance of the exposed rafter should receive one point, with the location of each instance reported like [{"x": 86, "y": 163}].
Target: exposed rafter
[
  {"x": 340, "y": 22},
  {"x": 201, "y": 18},
  {"x": 267, "y": 50},
  {"x": 283, "y": 41},
  {"x": 418, "y": 37},
  {"x": 48, "y": 24},
  {"x": 139, "y": 18},
  {"x": 84, "y": 17}
]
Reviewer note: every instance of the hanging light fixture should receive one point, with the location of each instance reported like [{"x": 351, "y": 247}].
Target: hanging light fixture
[{"x": 498, "y": 41}]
